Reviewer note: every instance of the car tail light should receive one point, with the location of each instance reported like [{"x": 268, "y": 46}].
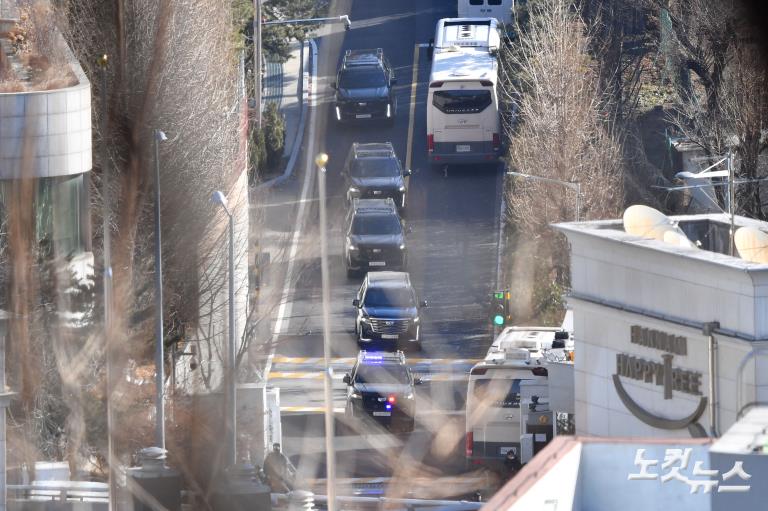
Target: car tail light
[
  {"x": 496, "y": 142},
  {"x": 469, "y": 443},
  {"x": 435, "y": 85},
  {"x": 430, "y": 143}
]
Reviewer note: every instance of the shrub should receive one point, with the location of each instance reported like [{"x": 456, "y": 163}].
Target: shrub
[
  {"x": 258, "y": 151},
  {"x": 274, "y": 135}
]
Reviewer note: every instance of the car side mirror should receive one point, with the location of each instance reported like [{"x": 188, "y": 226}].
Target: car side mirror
[
  {"x": 417, "y": 381},
  {"x": 347, "y": 379},
  {"x": 407, "y": 172},
  {"x": 355, "y": 303},
  {"x": 424, "y": 304},
  {"x": 333, "y": 85}
]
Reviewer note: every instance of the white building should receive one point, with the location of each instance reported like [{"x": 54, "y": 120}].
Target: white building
[{"x": 642, "y": 308}]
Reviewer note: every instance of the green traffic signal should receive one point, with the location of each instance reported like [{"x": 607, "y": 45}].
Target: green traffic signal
[{"x": 498, "y": 319}]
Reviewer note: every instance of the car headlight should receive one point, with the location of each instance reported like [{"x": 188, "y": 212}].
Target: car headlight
[
  {"x": 350, "y": 246},
  {"x": 355, "y": 395},
  {"x": 415, "y": 320},
  {"x": 354, "y": 189},
  {"x": 338, "y": 113},
  {"x": 402, "y": 188},
  {"x": 402, "y": 246},
  {"x": 365, "y": 319},
  {"x": 409, "y": 395}
]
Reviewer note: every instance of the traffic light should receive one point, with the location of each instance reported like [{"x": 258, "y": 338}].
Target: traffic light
[{"x": 500, "y": 308}]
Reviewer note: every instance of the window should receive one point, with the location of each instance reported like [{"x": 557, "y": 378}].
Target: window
[
  {"x": 475, "y": 2},
  {"x": 461, "y": 101},
  {"x": 390, "y": 373},
  {"x": 498, "y": 393},
  {"x": 375, "y": 167},
  {"x": 362, "y": 78},
  {"x": 494, "y": 2},
  {"x": 389, "y": 297},
  {"x": 375, "y": 225}
]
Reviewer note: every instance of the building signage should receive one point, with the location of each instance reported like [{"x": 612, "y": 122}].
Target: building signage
[{"x": 661, "y": 373}]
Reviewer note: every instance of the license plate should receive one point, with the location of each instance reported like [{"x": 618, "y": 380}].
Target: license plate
[
  {"x": 368, "y": 116},
  {"x": 382, "y": 414},
  {"x": 377, "y": 263},
  {"x": 388, "y": 336},
  {"x": 377, "y": 192},
  {"x": 376, "y": 251},
  {"x": 461, "y": 148}
]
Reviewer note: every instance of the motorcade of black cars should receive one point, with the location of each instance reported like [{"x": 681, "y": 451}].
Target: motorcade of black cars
[
  {"x": 387, "y": 312},
  {"x": 374, "y": 237},
  {"x": 364, "y": 87},
  {"x": 373, "y": 171},
  {"x": 381, "y": 386}
]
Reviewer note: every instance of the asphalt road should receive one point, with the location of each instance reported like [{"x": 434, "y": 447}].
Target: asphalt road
[{"x": 452, "y": 262}]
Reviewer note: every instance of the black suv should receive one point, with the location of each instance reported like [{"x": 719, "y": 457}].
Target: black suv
[
  {"x": 373, "y": 171},
  {"x": 375, "y": 237},
  {"x": 386, "y": 310},
  {"x": 381, "y": 386},
  {"x": 364, "y": 87}
]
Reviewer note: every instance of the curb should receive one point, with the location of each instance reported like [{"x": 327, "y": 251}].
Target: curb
[{"x": 288, "y": 172}]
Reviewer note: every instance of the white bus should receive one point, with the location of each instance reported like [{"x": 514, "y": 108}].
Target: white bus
[
  {"x": 502, "y": 10},
  {"x": 463, "y": 123},
  {"x": 498, "y": 407}
]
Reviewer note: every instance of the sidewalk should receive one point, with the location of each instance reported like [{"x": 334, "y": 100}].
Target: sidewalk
[{"x": 284, "y": 86}]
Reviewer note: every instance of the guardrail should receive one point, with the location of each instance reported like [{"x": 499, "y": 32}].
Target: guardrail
[{"x": 64, "y": 491}]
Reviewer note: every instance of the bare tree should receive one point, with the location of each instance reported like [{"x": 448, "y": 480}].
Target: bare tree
[{"x": 561, "y": 132}]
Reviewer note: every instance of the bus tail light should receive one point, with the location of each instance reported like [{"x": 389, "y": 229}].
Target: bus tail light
[
  {"x": 469, "y": 444},
  {"x": 496, "y": 142},
  {"x": 430, "y": 143}
]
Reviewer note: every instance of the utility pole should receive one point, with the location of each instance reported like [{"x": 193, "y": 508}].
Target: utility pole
[
  {"x": 731, "y": 200},
  {"x": 257, "y": 59}
]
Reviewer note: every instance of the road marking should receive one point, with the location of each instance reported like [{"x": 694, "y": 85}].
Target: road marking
[
  {"x": 282, "y": 359},
  {"x": 319, "y": 375},
  {"x": 412, "y": 107},
  {"x": 285, "y": 307},
  {"x": 308, "y": 409}
]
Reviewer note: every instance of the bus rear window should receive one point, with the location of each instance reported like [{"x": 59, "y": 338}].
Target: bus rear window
[
  {"x": 498, "y": 393},
  {"x": 461, "y": 101}
]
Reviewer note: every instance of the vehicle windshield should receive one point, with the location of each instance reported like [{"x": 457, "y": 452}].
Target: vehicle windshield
[
  {"x": 389, "y": 297},
  {"x": 375, "y": 167},
  {"x": 387, "y": 374},
  {"x": 376, "y": 225},
  {"x": 498, "y": 393},
  {"x": 461, "y": 101},
  {"x": 362, "y": 78}
]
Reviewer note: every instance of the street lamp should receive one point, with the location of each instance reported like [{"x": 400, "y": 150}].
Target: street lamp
[
  {"x": 573, "y": 185},
  {"x": 330, "y": 458},
  {"x": 158, "y": 137},
  {"x": 231, "y": 455}
]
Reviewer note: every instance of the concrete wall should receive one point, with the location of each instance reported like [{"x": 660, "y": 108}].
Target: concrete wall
[
  {"x": 49, "y": 130},
  {"x": 556, "y": 488},
  {"x": 681, "y": 283},
  {"x": 756, "y": 465}
]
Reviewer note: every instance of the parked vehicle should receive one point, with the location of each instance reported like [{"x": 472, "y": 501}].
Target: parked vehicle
[{"x": 463, "y": 120}]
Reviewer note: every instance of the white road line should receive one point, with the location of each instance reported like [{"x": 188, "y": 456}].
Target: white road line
[
  {"x": 412, "y": 107},
  {"x": 285, "y": 307}
]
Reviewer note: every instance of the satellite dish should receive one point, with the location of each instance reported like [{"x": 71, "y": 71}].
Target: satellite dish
[
  {"x": 647, "y": 222},
  {"x": 752, "y": 244}
]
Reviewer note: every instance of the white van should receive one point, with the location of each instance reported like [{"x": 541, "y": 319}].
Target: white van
[
  {"x": 502, "y": 10},
  {"x": 463, "y": 122},
  {"x": 496, "y": 394}
]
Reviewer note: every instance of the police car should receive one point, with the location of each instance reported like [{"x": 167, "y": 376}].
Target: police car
[{"x": 381, "y": 386}]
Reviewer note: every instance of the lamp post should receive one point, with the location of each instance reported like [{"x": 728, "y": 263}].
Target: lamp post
[
  {"x": 158, "y": 137},
  {"x": 573, "y": 185},
  {"x": 231, "y": 454},
  {"x": 330, "y": 456}
]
